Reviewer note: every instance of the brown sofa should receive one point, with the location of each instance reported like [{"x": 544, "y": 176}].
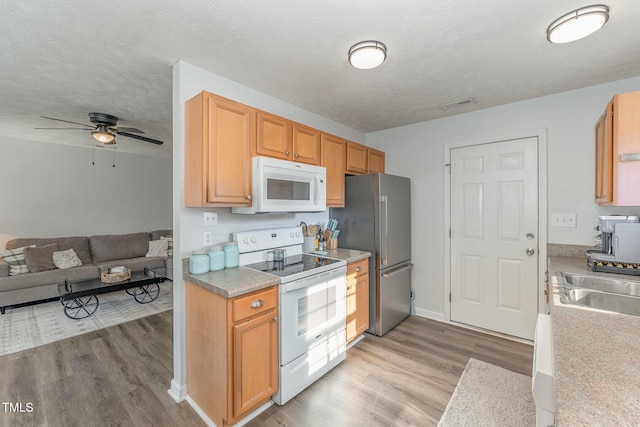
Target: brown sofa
[{"x": 97, "y": 253}]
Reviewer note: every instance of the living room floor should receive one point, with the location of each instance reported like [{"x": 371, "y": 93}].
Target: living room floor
[{"x": 120, "y": 376}]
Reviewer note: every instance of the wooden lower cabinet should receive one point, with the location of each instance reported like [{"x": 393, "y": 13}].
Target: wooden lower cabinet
[
  {"x": 231, "y": 351},
  {"x": 357, "y": 297}
]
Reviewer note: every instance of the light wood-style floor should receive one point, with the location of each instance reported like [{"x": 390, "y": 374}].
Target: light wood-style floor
[
  {"x": 405, "y": 378},
  {"x": 119, "y": 376}
]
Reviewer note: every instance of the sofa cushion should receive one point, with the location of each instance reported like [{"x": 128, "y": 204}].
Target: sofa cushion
[
  {"x": 66, "y": 259},
  {"x": 40, "y": 258},
  {"x": 158, "y": 248},
  {"x": 15, "y": 258},
  {"x": 79, "y": 244},
  {"x": 135, "y": 264},
  {"x": 22, "y": 281},
  {"x": 118, "y": 246}
]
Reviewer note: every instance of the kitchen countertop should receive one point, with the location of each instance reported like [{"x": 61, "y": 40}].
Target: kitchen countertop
[
  {"x": 349, "y": 255},
  {"x": 231, "y": 282},
  {"x": 596, "y": 358}
]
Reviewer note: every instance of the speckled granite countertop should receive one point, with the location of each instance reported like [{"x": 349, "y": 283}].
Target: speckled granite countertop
[
  {"x": 349, "y": 255},
  {"x": 597, "y": 358},
  {"x": 231, "y": 282}
]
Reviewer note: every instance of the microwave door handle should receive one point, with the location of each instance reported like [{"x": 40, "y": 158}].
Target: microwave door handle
[{"x": 317, "y": 182}]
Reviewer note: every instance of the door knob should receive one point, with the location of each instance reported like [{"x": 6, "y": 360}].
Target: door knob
[{"x": 530, "y": 251}]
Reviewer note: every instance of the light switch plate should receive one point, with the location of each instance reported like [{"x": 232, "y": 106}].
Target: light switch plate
[
  {"x": 211, "y": 218},
  {"x": 563, "y": 220}
]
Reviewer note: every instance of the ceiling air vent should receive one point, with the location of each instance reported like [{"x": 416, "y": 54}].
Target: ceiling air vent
[{"x": 458, "y": 104}]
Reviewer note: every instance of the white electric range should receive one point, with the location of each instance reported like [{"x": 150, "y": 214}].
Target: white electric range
[{"x": 311, "y": 305}]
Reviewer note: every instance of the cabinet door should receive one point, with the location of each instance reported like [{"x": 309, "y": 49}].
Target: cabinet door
[
  {"x": 218, "y": 140},
  {"x": 357, "y": 297},
  {"x": 333, "y": 159},
  {"x": 306, "y": 144},
  {"x": 626, "y": 148},
  {"x": 273, "y": 136},
  {"x": 356, "y": 158},
  {"x": 255, "y": 362},
  {"x": 604, "y": 157},
  {"x": 375, "y": 160}
]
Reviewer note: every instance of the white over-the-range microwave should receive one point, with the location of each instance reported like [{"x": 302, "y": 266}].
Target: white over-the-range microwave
[{"x": 284, "y": 186}]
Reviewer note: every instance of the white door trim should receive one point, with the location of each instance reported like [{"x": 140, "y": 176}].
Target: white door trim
[{"x": 541, "y": 134}]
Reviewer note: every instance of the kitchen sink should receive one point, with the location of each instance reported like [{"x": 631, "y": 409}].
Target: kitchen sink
[{"x": 603, "y": 293}]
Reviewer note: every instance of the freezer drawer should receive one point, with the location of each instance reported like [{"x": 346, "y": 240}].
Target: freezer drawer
[{"x": 393, "y": 291}]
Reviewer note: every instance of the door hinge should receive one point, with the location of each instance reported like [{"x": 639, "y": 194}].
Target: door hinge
[
  {"x": 449, "y": 233},
  {"x": 449, "y": 166},
  {"x": 449, "y": 296}
]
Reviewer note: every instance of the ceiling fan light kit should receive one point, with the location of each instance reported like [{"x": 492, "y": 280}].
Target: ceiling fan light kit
[
  {"x": 368, "y": 54},
  {"x": 578, "y": 24},
  {"x": 103, "y": 135}
]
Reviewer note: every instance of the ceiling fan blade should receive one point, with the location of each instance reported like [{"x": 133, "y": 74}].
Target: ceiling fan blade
[
  {"x": 67, "y": 121},
  {"x": 66, "y": 128},
  {"x": 142, "y": 138},
  {"x": 124, "y": 129}
]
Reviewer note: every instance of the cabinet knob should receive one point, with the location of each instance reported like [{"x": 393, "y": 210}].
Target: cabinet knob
[
  {"x": 358, "y": 269},
  {"x": 349, "y": 288},
  {"x": 248, "y": 196},
  {"x": 296, "y": 155},
  {"x": 257, "y": 303},
  {"x": 287, "y": 153}
]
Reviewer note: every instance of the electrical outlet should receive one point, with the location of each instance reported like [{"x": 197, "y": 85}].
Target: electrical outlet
[
  {"x": 211, "y": 218},
  {"x": 208, "y": 238},
  {"x": 563, "y": 220}
]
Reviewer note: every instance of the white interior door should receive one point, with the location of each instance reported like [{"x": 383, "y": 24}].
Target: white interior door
[{"x": 494, "y": 236}]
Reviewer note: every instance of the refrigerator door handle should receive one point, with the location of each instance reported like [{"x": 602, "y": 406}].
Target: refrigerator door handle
[
  {"x": 384, "y": 244},
  {"x": 394, "y": 272}
]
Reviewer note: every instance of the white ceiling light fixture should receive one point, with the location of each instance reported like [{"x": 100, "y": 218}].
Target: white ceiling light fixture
[
  {"x": 103, "y": 135},
  {"x": 368, "y": 54},
  {"x": 578, "y": 24}
]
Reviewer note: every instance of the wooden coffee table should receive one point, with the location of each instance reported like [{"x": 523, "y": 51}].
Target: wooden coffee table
[{"x": 80, "y": 298}]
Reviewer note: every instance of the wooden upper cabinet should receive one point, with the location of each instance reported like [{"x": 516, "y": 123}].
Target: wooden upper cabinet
[
  {"x": 375, "y": 161},
  {"x": 333, "y": 159},
  {"x": 619, "y": 129},
  {"x": 306, "y": 144},
  {"x": 356, "y": 158},
  {"x": 273, "y": 136},
  {"x": 604, "y": 152},
  {"x": 218, "y": 140}
]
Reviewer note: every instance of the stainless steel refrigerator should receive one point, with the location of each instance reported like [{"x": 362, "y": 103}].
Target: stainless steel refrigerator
[{"x": 377, "y": 218}]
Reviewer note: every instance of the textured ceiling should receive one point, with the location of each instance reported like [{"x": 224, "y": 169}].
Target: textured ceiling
[{"x": 66, "y": 58}]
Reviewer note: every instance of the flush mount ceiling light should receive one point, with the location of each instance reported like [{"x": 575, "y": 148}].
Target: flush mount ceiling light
[
  {"x": 578, "y": 24},
  {"x": 103, "y": 135},
  {"x": 368, "y": 54}
]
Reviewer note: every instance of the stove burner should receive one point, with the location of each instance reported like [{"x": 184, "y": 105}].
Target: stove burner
[{"x": 293, "y": 264}]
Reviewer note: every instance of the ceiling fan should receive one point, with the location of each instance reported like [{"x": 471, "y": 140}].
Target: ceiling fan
[{"x": 104, "y": 129}]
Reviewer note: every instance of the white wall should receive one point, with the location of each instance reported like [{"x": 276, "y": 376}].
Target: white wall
[
  {"x": 53, "y": 190},
  {"x": 417, "y": 151},
  {"x": 188, "y": 81}
]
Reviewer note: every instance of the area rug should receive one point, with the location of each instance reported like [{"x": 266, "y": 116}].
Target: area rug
[
  {"x": 27, "y": 327},
  {"x": 487, "y": 395}
]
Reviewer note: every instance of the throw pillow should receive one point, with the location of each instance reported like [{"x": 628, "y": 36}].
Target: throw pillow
[
  {"x": 15, "y": 259},
  {"x": 66, "y": 259},
  {"x": 169, "y": 240},
  {"x": 158, "y": 248},
  {"x": 40, "y": 258}
]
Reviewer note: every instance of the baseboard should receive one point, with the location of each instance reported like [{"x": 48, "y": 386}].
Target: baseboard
[
  {"x": 200, "y": 412},
  {"x": 177, "y": 392},
  {"x": 240, "y": 423},
  {"x": 429, "y": 314}
]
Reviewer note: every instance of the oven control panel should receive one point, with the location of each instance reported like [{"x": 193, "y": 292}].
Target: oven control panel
[{"x": 258, "y": 240}]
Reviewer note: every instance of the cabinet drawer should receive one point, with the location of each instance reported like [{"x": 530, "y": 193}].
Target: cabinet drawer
[
  {"x": 358, "y": 268},
  {"x": 255, "y": 303}
]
